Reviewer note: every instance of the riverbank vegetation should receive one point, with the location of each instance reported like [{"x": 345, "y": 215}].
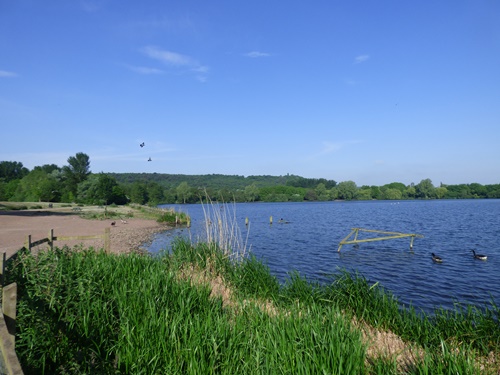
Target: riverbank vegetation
[
  {"x": 76, "y": 183},
  {"x": 197, "y": 310}
]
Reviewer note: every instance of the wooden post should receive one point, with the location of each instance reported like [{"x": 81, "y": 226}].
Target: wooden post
[
  {"x": 3, "y": 259},
  {"x": 270, "y": 220},
  {"x": 9, "y": 300},
  {"x": 27, "y": 245},
  {"x": 356, "y": 235},
  {"x": 107, "y": 240},
  {"x": 51, "y": 239}
]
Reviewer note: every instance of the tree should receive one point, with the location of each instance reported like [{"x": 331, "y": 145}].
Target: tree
[
  {"x": 12, "y": 170},
  {"x": 183, "y": 192},
  {"x": 441, "y": 192},
  {"x": 251, "y": 192},
  {"x": 393, "y": 194},
  {"x": 77, "y": 171},
  {"x": 105, "y": 189},
  {"x": 311, "y": 195},
  {"x": 8, "y": 189},
  {"x": 321, "y": 192},
  {"x": 396, "y": 185},
  {"x": 101, "y": 189},
  {"x": 364, "y": 193},
  {"x": 410, "y": 192},
  {"x": 347, "y": 190},
  {"x": 138, "y": 193},
  {"x": 376, "y": 192},
  {"x": 425, "y": 189},
  {"x": 155, "y": 193},
  {"x": 36, "y": 186}
]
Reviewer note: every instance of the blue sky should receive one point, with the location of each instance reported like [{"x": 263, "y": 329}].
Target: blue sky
[{"x": 369, "y": 91}]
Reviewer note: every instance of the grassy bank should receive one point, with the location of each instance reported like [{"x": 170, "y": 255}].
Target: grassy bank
[{"x": 195, "y": 310}]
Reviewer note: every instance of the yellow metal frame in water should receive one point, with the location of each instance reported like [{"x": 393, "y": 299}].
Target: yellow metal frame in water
[{"x": 391, "y": 236}]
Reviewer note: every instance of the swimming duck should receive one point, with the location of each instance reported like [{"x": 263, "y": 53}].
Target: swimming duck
[
  {"x": 479, "y": 256},
  {"x": 436, "y": 259}
]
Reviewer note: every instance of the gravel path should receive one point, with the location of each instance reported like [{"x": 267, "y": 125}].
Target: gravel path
[{"x": 15, "y": 226}]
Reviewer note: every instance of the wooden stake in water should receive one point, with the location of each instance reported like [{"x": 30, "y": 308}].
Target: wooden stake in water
[{"x": 270, "y": 220}]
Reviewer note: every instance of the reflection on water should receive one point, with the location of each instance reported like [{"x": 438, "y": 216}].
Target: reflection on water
[{"x": 309, "y": 240}]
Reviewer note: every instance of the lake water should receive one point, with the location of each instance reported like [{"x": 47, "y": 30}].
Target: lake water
[{"x": 308, "y": 243}]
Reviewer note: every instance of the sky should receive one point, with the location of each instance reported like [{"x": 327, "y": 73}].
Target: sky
[{"x": 368, "y": 91}]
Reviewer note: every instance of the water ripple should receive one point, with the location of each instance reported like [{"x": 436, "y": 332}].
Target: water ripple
[{"x": 308, "y": 244}]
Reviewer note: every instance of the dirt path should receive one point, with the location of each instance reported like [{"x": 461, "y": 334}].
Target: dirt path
[{"x": 15, "y": 226}]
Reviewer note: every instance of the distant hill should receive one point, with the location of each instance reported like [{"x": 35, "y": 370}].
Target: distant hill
[
  {"x": 219, "y": 181},
  {"x": 215, "y": 181}
]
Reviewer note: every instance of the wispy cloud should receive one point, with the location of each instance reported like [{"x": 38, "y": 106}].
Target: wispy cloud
[
  {"x": 145, "y": 70},
  {"x": 5, "y": 73},
  {"x": 177, "y": 60},
  {"x": 256, "y": 54},
  {"x": 361, "y": 58},
  {"x": 328, "y": 147},
  {"x": 168, "y": 57},
  {"x": 90, "y": 6}
]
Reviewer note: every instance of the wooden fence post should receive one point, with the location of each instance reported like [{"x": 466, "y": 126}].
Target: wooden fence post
[
  {"x": 27, "y": 245},
  {"x": 107, "y": 240},
  {"x": 9, "y": 300},
  {"x": 51, "y": 239},
  {"x": 3, "y": 259}
]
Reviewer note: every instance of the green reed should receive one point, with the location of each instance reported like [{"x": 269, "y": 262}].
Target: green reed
[{"x": 91, "y": 312}]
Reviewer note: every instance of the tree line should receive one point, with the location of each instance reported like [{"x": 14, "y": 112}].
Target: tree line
[{"x": 75, "y": 183}]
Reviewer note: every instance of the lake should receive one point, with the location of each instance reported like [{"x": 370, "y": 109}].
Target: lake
[{"x": 308, "y": 243}]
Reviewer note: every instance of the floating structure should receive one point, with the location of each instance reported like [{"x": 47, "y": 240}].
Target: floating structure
[{"x": 385, "y": 236}]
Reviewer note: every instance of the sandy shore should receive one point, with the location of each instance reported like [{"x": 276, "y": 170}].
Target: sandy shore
[{"x": 15, "y": 226}]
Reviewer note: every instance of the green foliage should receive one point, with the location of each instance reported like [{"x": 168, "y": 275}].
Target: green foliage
[
  {"x": 279, "y": 192},
  {"x": 251, "y": 192},
  {"x": 37, "y": 185},
  {"x": 12, "y": 170},
  {"x": 172, "y": 217},
  {"x": 425, "y": 189},
  {"x": 184, "y": 192},
  {"x": 77, "y": 171},
  {"x": 8, "y": 189},
  {"x": 84, "y": 311},
  {"x": 303, "y": 182},
  {"x": 100, "y": 189},
  {"x": 90, "y": 312},
  {"x": 138, "y": 193},
  {"x": 76, "y": 183},
  {"x": 347, "y": 190}
]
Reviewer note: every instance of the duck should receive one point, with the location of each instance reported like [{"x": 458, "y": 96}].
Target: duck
[
  {"x": 479, "y": 256},
  {"x": 436, "y": 259}
]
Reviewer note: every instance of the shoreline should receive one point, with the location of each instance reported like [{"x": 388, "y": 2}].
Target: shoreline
[{"x": 126, "y": 236}]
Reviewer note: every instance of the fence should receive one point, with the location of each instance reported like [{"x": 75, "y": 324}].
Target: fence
[{"x": 9, "y": 363}]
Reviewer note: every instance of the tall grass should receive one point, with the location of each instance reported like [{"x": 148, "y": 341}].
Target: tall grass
[
  {"x": 91, "y": 312},
  {"x": 222, "y": 230}
]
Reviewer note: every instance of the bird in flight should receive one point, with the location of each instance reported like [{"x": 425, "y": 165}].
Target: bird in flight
[
  {"x": 142, "y": 144},
  {"x": 149, "y": 159}
]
